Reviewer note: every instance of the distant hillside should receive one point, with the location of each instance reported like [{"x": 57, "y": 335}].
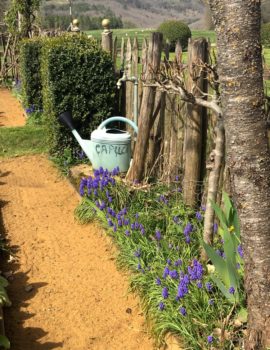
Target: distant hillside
[{"x": 140, "y": 13}]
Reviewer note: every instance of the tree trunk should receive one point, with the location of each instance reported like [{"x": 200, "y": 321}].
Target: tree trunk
[{"x": 237, "y": 24}]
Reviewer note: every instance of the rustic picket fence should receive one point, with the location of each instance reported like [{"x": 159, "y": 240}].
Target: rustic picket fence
[{"x": 178, "y": 136}]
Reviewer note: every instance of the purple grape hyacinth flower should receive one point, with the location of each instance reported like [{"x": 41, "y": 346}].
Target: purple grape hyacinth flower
[
  {"x": 199, "y": 216},
  {"x": 158, "y": 235},
  {"x": 209, "y": 286},
  {"x": 161, "y": 306},
  {"x": 195, "y": 271},
  {"x": 166, "y": 272},
  {"x": 183, "y": 311},
  {"x": 137, "y": 253},
  {"x": 165, "y": 293},
  {"x": 188, "y": 229},
  {"x": 127, "y": 233},
  {"x": 199, "y": 285},
  {"x": 231, "y": 290},
  {"x": 210, "y": 339},
  {"x": 240, "y": 251},
  {"x": 174, "y": 274},
  {"x": 158, "y": 281},
  {"x": 178, "y": 263}
]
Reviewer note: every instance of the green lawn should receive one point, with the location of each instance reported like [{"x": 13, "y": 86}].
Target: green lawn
[{"x": 19, "y": 141}]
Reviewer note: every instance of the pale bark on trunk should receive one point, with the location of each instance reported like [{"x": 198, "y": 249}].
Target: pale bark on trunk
[
  {"x": 237, "y": 24},
  {"x": 216, "y": 161}
]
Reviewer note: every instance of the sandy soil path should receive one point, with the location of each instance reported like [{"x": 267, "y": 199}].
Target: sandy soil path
[
  {"x": 11, "y": 112},
  {"x": 79, "y": 300}
]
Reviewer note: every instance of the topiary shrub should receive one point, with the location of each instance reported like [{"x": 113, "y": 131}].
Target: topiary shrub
[
  {"x": 265, "y": 34},
  {"x": 29, "y": 58},
  {"x": 173, "y": 31},
  {"x": 76, "y": 75}
]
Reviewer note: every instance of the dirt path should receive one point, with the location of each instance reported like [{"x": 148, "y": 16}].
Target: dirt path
[
  {"x": 11, "y": 112},
  {"x": 79, "y": 300}
]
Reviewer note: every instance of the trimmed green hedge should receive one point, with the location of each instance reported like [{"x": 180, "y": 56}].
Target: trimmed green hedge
[
  {"x": 30, "y": 50},
  {"x": 265, "y": 34},
  {"x": 76, "y": 75},
  {"x": 173, "y": 31}
]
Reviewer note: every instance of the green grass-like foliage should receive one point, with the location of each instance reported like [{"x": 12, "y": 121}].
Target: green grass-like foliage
[
  {"x": 76, "y": 75},
  {"x": 159, "y": 241},
  {"x": 265, "y": 34},
  {"x": 173, "y": 31},
  {"x": 22, "y": 140},
  {"x": 29, "y": 59}
]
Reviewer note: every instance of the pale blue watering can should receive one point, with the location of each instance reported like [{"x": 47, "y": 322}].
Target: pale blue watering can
[{"x": 108, "y": 148}]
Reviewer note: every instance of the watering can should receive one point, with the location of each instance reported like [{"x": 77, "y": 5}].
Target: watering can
[{"x": 108, "y": 148}]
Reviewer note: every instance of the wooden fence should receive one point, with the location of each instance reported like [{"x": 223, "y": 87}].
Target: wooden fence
[{"x": 174, "y": 137}]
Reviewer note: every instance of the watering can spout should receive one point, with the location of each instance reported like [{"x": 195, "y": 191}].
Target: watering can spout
[{"x": 66, "y": 119}]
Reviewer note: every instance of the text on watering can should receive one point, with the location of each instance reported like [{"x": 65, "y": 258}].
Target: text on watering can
[{"x": 108, "y": 149}]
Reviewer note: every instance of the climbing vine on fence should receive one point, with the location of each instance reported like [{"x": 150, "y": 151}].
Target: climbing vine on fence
[{"x": 21, "y": 16}]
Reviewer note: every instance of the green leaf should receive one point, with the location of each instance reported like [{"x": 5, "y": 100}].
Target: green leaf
[
  {"x": 220, "y": 214},
  {"x": 3, "y": 282},
  {"x": 229, "y": 246},
  {"x": 219, "y": 264},
  {"x": 242, "y": 315},
  {"x": 228, "y": 208},
  {"x": 223, "y": 289},
  {"x": 4, "y": 342}
]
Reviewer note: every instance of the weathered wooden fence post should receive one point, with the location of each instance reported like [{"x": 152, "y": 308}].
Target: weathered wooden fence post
[
  {"x": 196, "y": 129},
  {"x": 107, "y": 39},
  {"x": 147, "y": 107}
]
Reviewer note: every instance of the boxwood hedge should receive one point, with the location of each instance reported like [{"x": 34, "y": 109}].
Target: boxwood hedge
[
  {"x": 76, "y": 75},
  {"x": 30, "y": 50},
  {"x": 174, "y": 30}
]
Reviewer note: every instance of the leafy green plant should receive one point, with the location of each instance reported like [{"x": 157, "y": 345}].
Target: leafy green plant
[
  {"x": 175, "y": 30},
  {"x": 31, "y": 86},
  {"x": 4, "y": 342},
  {"x": 228, "y": 273},
  {"x": 78, "y": 76},
  {"x": 159, "y": 241}
]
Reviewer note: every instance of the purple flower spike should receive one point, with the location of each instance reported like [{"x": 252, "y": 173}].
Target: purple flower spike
[
  {"x": 165, "y": 293},
  {"x": 188, "y": 240},
  {"x": 210, "y": 339},
  {"x": 199, "y": 216},
  {"x": 231, "y": 290},
  {"x": 240, "y": 251},
  {"x": 127, "y": 233},
  {"x": 183, "y": 311},
  {"x": 211, "y": 302},
  {"x": 166, "y": 272},
  {"x": 199, "y": 285},
  {"x": 188, "y": 229},
  {"x": 178, "y": 263},
  {"x": 158, "y": 281},
  {"x": 137, "y": 253},
  {"x": 158, "y": 235},
  {"x": 209, "y": 286},
  {"x": 174, "y": 274},
  {"x": 215, "y": 227},
  {"x": 161, "y": 306}
]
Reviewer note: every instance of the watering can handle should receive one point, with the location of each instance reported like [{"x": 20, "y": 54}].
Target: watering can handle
[{"x": 119, "y": 119}]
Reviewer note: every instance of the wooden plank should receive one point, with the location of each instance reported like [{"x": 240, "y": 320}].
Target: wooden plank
[
  {"x": 146, "y": 116},
  {"x": 195, "y": 132},
  {"x": 129, "y": 85}
]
